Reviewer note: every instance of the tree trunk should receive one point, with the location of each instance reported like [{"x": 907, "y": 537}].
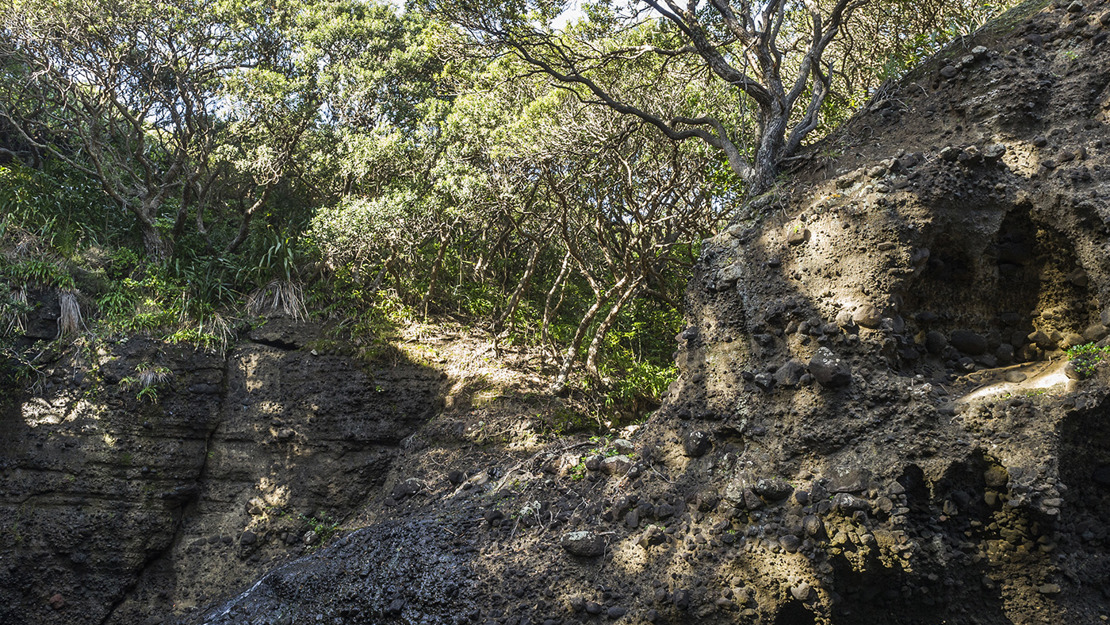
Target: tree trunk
[
  {"x": 156, "y": 246},
  {"x": 548, "y": 309},
  {"x": 603, "y": 328},
  {"x": 572, "y": 350},
  {"x": 434, "y": 274},
  {"x": 507, "y": 316},
  {"x": 768, "y": 152}
]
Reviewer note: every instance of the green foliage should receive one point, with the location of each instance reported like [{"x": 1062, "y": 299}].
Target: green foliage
[
  {"x": 59, "y": 216},
  {"x": 146, "y": 381},
  {"x": 325, "y": 527},
  {"x": 36, "y": 272},
  {"x": 352, "y": 161},
  {"x": 1086, "y": 358}
]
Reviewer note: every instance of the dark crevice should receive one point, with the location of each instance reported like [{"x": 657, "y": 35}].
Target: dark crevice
[{"x": 284, "y": 346}]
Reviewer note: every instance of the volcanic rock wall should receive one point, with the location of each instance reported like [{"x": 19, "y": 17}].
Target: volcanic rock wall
[{"x": 118, "y": 507}]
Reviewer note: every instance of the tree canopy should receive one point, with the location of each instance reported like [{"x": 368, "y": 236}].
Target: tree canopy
[{"x": 547, "y": 179}]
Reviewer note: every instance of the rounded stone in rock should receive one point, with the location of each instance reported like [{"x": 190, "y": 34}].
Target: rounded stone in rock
[
  {"x": 772, "y": 489},
  {"x": 1004, "y": 354},
  {"x": 652, "y": 536},
  {"x": 994, "y": 151},
  {"x": 790, "y": 374},
  {"x": 593, "y": 608},
  {"x": 1072, "y": 371},
  {"x": 868, "y": 316},
  {"x": 850, "y": 503},
  {"x": 697, "y": 443},
  {"x": 1043, "y": 340},
  {"x": 664, "y": 511},
  {"x": 632, "y": 519},
  {"x": 970, "y": 154},
  {"x": 801, "y": 592},
  {"x": 1071, "y": 339},
  {"x": 829, "y": 370},
  {"x": 764, "y": 381},
  {"x": 968, "y": 342},
  {"x": 987, "y": 360},
  {"x": 583, "y": 544},
  {"x": 790, "y": 543},
  {"x": 615, "y": 612},
  {"x": 1029, "y": 353},
  {"x": 797, "y": 236},
  {"x": 1094, "y": 333},
  {"x": 996, "y": 477},
  {"x": 406, "y": 488},
  {"x": 616, "y": 465},
  {"x": 624, "y": 446}
]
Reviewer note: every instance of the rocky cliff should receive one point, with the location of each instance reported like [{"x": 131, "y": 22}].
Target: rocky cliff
[
  {"x": 876, "y": 418},
  {"x": 119, "y": 505}
]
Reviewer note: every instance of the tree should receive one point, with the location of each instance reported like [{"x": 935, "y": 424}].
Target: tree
[
  {"x": 771, "y": 54},
  {"x": 152, "y": 100}
]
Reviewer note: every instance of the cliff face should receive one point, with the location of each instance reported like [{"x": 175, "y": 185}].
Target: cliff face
[
  {"x": 117, "y": 507},
  {"x": 891, "y": 336},
  {"x": 875, "y": 419}
]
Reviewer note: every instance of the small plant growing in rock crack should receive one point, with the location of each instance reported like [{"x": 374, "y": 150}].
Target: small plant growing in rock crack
[
  {"x": 1087, "y": 357},
  {"x": 578, "y": 472},
  {"x": 325, "y": 527},
  {"x": 147, "y": 379}
]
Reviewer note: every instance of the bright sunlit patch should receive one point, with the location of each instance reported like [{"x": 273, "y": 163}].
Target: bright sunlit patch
[
  {"x": 1048, "y": 378},
  {"x": 36, "y": 411},
  {"x": 629, "y": 556},
  {"x": 273, "y": 494}
]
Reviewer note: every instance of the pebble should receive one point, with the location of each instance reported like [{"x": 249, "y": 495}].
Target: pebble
[
  {"x": 829, "y": 370},
  {"x": 797, "y": 236},
  {"x": 697, "y": 443},
  {"x": 868, "y": 316},
  {"x": 968, "y": 342},
  {"x": 801, "y": 592},
  {"x": 583, "y": 544}
]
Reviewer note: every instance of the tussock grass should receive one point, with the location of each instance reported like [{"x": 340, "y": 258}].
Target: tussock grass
[
  {"x": 15, "y": 321},
  {"x": 70, "y": 321},
  {"x": 282, "y": 296}
]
